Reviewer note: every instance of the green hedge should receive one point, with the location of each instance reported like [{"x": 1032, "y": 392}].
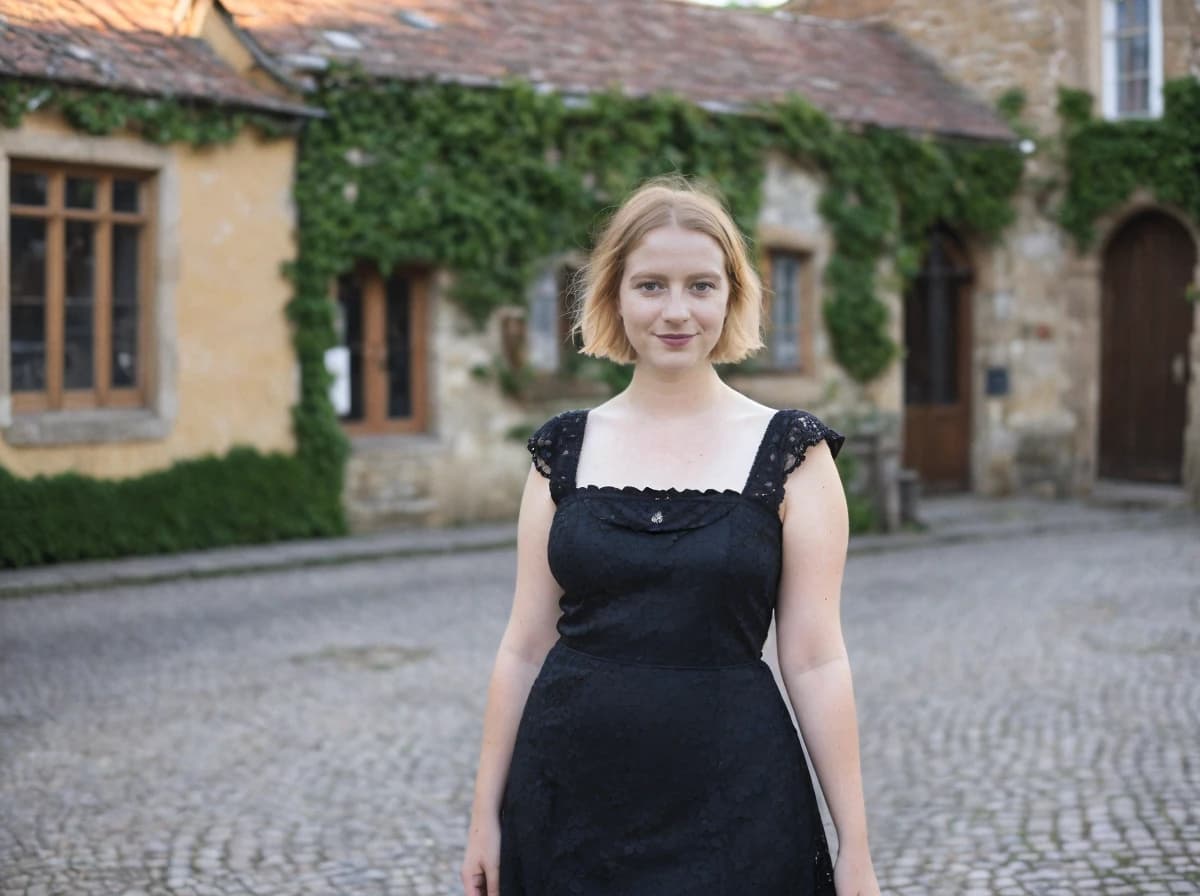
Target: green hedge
[{"x": 243, "y": 496}]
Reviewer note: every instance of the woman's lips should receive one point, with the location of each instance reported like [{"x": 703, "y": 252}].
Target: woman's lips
[{"x": 681, "y": 339}]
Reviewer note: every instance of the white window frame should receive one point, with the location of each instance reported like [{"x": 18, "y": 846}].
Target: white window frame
[
  {"x": 102, "y": 424},
  {"x": 1109, "y": 80}
]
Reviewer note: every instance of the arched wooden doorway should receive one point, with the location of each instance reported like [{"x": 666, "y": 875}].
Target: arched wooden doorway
[
  {"x": 937, "y": 367},
  {"x": 1145, "y": 327}
]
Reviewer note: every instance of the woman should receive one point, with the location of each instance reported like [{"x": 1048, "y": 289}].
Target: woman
[{"x": 634, "y": 741}]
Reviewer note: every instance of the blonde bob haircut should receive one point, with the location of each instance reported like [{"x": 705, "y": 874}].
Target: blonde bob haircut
[{"x": 657, "y": 203}]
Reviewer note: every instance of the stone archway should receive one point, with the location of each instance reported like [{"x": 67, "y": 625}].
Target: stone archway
[{"x": 1146, "y": 327}]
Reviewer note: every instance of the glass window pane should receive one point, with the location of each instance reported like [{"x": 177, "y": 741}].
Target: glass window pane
[
  {"x": 1133, "y": 56},
  {"x": 1133, "y": 14},
  {"x": 27, "y": 303},
  {"x": 125, "y": 279},
  {"x": 1133, "y": 97},
  {"x": 27, "y": 188},
  {"x": 125, "y": 195},
  {"x": 785, "y": 309},
  {"x": 81, "y": 192},
  {"x": 350, "y": 334},
  {"x": 399, "y": 348},
  {"x": 78, "y": 329},
  {"x": 542, "y": 333}
]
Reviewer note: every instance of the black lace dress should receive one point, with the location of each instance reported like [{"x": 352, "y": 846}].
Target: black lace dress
[{"x": 655, "y": 755}]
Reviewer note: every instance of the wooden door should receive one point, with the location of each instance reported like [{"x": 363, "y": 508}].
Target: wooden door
[
  {"x": 937, "y": 368},
  {"x": 1146, "y": 324}
]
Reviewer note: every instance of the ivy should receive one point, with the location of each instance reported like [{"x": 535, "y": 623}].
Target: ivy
[
  {"x": 491, "y": 182},
  {"x": 1106, "y": 161},
  {"x": 156, "y": 119}
]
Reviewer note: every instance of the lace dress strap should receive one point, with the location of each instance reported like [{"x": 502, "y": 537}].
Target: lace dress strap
[
  {"x": 787, "y": 438},
  {"x": 554, "y": 447}
]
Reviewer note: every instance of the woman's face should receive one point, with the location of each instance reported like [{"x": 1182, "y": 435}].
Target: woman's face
[{"x": 674, "y": 284}]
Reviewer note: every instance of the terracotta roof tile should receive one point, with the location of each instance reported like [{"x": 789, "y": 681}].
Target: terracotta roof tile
[
  {"x": 719, "y": 57},
  {"x": 127, "y": 45}
]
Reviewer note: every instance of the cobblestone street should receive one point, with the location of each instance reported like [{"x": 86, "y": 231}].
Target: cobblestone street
[{"x": 1029, "y": 712}]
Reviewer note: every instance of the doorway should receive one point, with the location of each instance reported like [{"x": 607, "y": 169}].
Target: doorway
[
  {"x": 1145, "y": 328},
  {"x": 937, "y": 367}
]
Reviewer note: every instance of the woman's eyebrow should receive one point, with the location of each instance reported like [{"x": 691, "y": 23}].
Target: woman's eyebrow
[{"x": 636, "y": 274}]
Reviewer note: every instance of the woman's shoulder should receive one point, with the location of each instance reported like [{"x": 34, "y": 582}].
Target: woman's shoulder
[
  {"x": 802, "y": 429},
  {"x": 548, "y": 438}
]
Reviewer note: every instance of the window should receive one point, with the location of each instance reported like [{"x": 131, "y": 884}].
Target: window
[
  {"x": 379, "y": 363},
  {"x": 551, "y": 346},
  {"x": 788, "y": 324},
  {"x": 78, "y": 251},
  {"x": 1132, "y": 58}
]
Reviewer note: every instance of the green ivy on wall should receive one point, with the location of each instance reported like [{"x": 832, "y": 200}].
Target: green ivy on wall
[
  {"x": 157, "y": 119},
  {"x": 1106, "y": 161},
  {"x": 490, "y": 182}
]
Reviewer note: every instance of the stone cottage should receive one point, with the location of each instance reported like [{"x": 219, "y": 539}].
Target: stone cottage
[
  {"x": 1100, "y": 347},
  {"x": 427, "y": 436},
  {"x": 142, "y": 306}
]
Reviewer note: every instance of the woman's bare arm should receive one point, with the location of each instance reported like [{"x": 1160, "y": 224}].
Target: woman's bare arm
[
  {"x": 527, "y": 638},
  {"x": 812, "y": 653}
]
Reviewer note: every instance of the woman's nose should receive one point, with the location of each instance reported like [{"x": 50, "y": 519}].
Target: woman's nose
[{"x": 676, "y": 307}]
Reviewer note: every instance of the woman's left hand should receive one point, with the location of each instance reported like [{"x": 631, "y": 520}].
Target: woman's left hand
[{"x": 854, "y": 875}]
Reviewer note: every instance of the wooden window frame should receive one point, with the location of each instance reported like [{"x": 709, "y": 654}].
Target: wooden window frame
[
  {"x": 806, "y": 312},
  {"x": 56, "y": 214},
  {"x": 374, "y": 306},
  {"x": 1109, "y": 70}
]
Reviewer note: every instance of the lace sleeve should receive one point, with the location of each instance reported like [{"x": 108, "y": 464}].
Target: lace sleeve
[
  {"x": 541, "y": 446},
  {"x": 804, "y": 429}
]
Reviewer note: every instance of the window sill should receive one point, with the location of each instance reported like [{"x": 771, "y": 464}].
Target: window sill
[{"x": 78, "y": 427}]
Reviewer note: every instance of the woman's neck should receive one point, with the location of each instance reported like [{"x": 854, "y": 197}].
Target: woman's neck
[{"x": 657, "y": 393}]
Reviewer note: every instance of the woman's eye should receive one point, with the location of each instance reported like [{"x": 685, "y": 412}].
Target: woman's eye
[
  {"x": 708, "y": 286},
  {"x": 648, "y": 285}
]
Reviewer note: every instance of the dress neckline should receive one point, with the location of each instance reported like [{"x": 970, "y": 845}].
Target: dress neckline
[{"x": 670, "y": 491}]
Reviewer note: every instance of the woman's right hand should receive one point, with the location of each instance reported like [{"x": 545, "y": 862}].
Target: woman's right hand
[{"x": 481, "y": 864}]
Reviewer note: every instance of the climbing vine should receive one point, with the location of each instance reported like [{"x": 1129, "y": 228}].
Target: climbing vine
[
  {"x": 491, "y": 182},
  {"x": 1106, "y": 161},
  {"x": 157, "y": 119}
]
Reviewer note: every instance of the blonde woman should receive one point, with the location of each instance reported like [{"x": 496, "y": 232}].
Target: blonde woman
[{"x": 634, "y": 741}]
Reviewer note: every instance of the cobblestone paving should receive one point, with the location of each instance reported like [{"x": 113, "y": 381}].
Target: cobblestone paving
[{"x": 1029, "y": 712}]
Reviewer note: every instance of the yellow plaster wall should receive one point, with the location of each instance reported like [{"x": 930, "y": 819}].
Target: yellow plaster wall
[{"x": 236, "y": 371}]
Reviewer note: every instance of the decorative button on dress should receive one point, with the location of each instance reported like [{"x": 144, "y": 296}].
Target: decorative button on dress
[{"x": 655, "y": 755}]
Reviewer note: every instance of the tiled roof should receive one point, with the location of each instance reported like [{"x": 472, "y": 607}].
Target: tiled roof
[
  {"x": 126, "y": 45},
  {"x": 718, "y": 57}
]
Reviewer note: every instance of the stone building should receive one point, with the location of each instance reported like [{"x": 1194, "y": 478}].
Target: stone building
[
  {"x": 434, "y": 451},
  {"x": 142, "y": 312},
  {"x": 1024, "y": 368},
  {"x": 1100, "y": 348}
]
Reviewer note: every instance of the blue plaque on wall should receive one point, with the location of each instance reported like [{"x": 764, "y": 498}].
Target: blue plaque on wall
[{"x": 997, "y": 381}]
